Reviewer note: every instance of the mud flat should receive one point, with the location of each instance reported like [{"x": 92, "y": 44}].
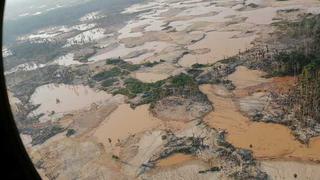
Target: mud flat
[
  {"x": 161, "y": 71},
  {"x": 122, "y": 51},
  {"x": 150, "y": 77},
  {"x": 124, "y": 122},
  {"x": 261, "y": 16},
  {"x": 86, "y": 120},
  {"x": 221, "y": 44}
]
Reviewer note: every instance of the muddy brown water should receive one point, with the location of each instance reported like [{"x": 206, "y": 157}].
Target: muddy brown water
[
  {"x": 63, "y": 98},
  {"x": 266, "y": 140}
]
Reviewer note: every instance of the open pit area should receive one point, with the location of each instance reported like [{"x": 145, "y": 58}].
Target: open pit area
[{"x": 177, "y": 90}]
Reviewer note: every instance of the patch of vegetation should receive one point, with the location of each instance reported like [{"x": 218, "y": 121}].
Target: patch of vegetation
[
  {"x": 151, "y": 64},
  {"x": 194, "y": 72},
  {"x": 291, "y": 63},
  {"x": 123, "y": 64},
  {"x": 129, "y": 66},
  {"x": 113, "y": 72},
  {"x": 84, "y": 58},
  {"x": 135, "y": 87},
  {"x": 109, "y": 82},
  {"x": 197, "y": 65},
  {"x": 303, "y": 62},
  {"x": 309, "y": 27},
  {"x": 118, "y": 73},
  {"x": 212, "y": 169},
  {"x": 229, "y": 60},
  {"x": 183, "y": 81},
  {"x": 115, "y": 157},
  {"x": 307, "y": 30},
  {"x": 70, "y": 132},
  {"x": 115, "y": 61},
  {"x": 39, "y": 136},
  {"x": 308, "y": 93},
  {"x": 180, "y": 85}
]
